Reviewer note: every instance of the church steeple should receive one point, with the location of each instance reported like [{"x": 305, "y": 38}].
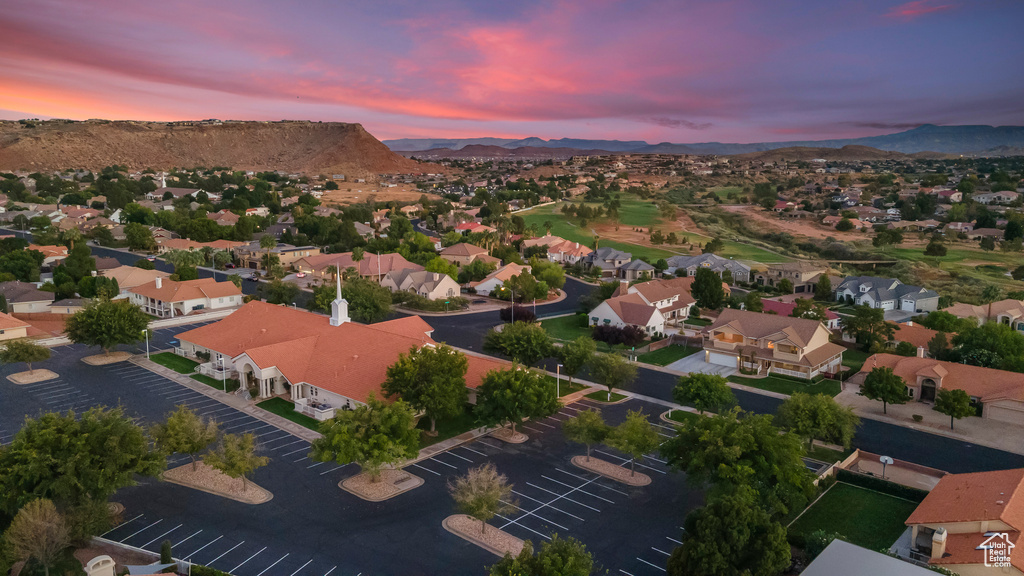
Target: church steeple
[{"x": 339, "y": 308}]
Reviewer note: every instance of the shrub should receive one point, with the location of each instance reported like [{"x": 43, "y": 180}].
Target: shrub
[
  {"x": 520, "y": 313},
  {"x": 883, "y": 486},
  {"x": 612, "y": 335},
  {"x": 166, "y": 556},
  {"x": 918, "y": 418}
]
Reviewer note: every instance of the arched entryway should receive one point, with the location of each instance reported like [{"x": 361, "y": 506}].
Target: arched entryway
[{"x": 928, "y": 387}]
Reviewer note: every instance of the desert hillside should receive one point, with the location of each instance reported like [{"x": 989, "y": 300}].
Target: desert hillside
[
  {"x": 846, "y": 153},
  {"x": 306, "y": 147}
]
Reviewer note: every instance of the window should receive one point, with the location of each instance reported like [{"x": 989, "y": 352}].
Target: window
[{"x": 910, "y": 392}]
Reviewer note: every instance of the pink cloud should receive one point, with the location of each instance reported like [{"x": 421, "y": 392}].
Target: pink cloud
[{"x": 916, "y": 9}]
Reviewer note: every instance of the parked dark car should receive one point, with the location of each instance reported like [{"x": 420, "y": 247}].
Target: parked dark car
[{"x": 229, "y": 265}]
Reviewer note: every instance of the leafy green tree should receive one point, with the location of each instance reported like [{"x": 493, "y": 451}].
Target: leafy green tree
[
  {"x": 281, "y": 292},
  {"x": 184, "y": 432},
  {"x": 707, "y": 289},
  {"x": 475, "y": 271},
  {"x": 373, "y": 436},
  {"x": 368, "y": 302},
  {"x": 953, "y": 403},
  {"x": 731, "y": 536},
  {"x": 442, "y": 266},
  {"x": 524, "y": 343},
  {"x": 431, "y": 379},
  {"x": 938, "y": 345},
  {"x": 74, "y": 461},
  {"x": 992, "y": 345},
  {"x": 138, "y": 237},
  {"x": 107, "y": 323},
  {"x": 704, "y": 392},
  {"x": 868, "y": 326},
  {"x": 558, "y": 557},
  {"x": 23, "y": 350},
  {"x": 483, "y": 494},
  {"x": 816, "y": 542},
  {"x": 23, "y": 265},
  {"x": 513, "y": 395},
  {"x": 612, "y": 371},
  {"x": 577, "y": 354},
  {"x": 549, "y": 273},
  {"x": 183, "y": 259},
  {"x": 144, "y": 264},
  {"x": 587, "y": 428},
  {"x": 823, "y": 289},
  {"x": 886, "y": 238},
  {"x": 819, "y": 417},
  {"x": 634, "y": 437},
  {"x": 38, "y": 532},
  {"x": 809, "y": 309},
  {"x": 753, "y": 303},
  {"x": 785, "y": 286},
  {"x": 935, "y": 248},
  {"x": 737, "y": 448},
  {"x": 236, "y": 457},
  {"x": 885, "y": 385},
  {"x": 844, "y": 225}
]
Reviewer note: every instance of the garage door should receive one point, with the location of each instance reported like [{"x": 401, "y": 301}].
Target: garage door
[
  {"x": 1005, "y": 412},
  {"x": 722, "y": 359}
]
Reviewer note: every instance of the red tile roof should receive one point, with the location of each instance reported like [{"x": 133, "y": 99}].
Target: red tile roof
[
  {"x": 988, "y": 384},
  {"x": 786, "y": 308},
  {"x": 171, "y": 291}
]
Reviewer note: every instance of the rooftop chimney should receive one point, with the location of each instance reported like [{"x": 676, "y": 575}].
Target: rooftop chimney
[
  {"x": 939, "y": 543},
  {"x": 159, "y": 282},
  {"x": 920, "y": 351}
]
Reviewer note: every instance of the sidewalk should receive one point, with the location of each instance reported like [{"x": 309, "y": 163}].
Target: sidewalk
[{"x": 971, "y": 430}]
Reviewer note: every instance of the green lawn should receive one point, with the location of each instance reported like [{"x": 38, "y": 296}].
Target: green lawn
[
  {"x": 603, "y": 396},
  {"x": 177, "y": 363},
  {"x": 827, "y": 454},
  {"x": 862, "y": 517},
  {"x": 682, "y": 416},
  {"x": 855, "y": 358},
  {"x": 286, "y": 409},
  {"x": 722, "y": 192},
  {"x": 697, "y": 321},
  {"x": 565, "y": 328},
  {"x": 448, "y": 428},
  {"x": 667, "y": 355},
  {"x": 741, "y": 251},
  {"x": 787, "y": 386},
  {"x": 232, "y": 384},
  {"x": 563, "y": 386},
  {"x": 637, "y": 212}
]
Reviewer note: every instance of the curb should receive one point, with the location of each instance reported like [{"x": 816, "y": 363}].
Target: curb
[
  {"x": 220, "y": 493},
  {"x": 937, "y": 432},
  {"x": 447, "y": 526},
  {"x": 581, "y": 463},
  {"x": 417, "y": 482}
]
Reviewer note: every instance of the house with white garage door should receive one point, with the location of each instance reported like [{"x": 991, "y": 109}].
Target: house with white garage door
[{"x": 769, "y": 344}]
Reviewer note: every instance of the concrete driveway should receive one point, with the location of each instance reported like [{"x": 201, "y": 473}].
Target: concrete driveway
[{"x": 696, "y": 363}]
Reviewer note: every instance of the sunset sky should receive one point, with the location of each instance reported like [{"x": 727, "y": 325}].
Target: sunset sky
[{"x": 678, "y": 71}]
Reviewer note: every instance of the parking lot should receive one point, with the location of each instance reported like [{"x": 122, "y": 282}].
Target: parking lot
[{"x": 312, "y": 527}]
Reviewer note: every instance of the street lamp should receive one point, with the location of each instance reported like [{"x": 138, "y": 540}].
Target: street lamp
[
  {"x": 512, "y": 301},
  {"x": 558, "y": 381},
  {"x": 146, "y": 332}
]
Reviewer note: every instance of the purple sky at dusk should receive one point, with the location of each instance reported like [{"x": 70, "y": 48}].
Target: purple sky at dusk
[{"x": 679, "y": 71}]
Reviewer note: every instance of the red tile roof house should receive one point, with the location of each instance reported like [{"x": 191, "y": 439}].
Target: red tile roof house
[
  {"x": 972, "y": 524},
  {"x": 999, "y": 395},
  {"x": 371, "y": 266},
  {"x": 168, "y": 299},
  {"x": 786, "y": 309},
  {"x": 320, "y": 363}
]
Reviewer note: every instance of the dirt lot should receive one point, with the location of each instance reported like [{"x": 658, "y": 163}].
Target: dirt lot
[
  {"x": 794, "y": 226},
  {"x": 356, "y": 192}
]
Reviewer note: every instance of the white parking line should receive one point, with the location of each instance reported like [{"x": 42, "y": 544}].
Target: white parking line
[
  {"x": 538, "y": 516},
  {"x": 315, "y": 465},
  {"x": 434, "y": 459},
  {"x": 473, "y": 451},
  {"x": 662, "y": 551},
  {"x": 329, "y": 571},
  {"x": 511, "y": 521},
  {"x": 333, "y": 469},
  {"x": 247, "y": 559},
  {"x": 539, "y": 423},
  {"x": 625, "y": 460},
  {"x": 450, "y": 453},
  {"x": 144, "y": 529},
  {"x": 673, "y": 540},
  {"x": 427, "y": 469},
  {"x": 160, "y": 536},
  {"x": 301, "y": 567},
  {"x": 204, "y": 547},
  {"x": 301, "y": 459},
  {"x": 563, "y": 496},
  {"x": 527, "y": 426},
  {"x": 122, "y": 524},
  {"x": 272, "y": 565},
  {"x": 580, "y": 487},
  {"x": 595, "y": 483},
  {"x": 552, "y": 507},
  {"x": 294, "y": 452},
  {"x": 651, "y": 564},
  {"x": 186, "y": 538},
  {"x": 288, "y": 444},
  {"x": 210, "y": 563},
  {"x": 624, "y": 572}
]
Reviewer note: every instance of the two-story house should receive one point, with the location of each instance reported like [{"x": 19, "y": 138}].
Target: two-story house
[
  {"x": 168, "y": 299},
  {"x": 972, "y": 524},
  {"x": 887, "y": 294},
  {"x": 558, "y": 249},
  {"x": 803, "y": 275},
  {"x": 648, "y": 305},
  {"x": 713, "y": 262},
  {"x": 462, "y": 254},
  {"x": 771, "y": 344},
  {"x": 617, "y": 264},
  {"x": 251, "y": 256}
]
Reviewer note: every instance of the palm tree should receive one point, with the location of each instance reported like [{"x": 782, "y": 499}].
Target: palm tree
[
  {"x": 333, "y": 271},
  {"x": 207, "y": 252},
  {"x": 990, "y": 294},
  {"x": 70, "y": 236},
  {"x": 268, "y": 243}
]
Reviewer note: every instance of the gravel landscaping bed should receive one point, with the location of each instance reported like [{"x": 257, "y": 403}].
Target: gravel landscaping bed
[
  {"x": 391, "y": 484},
  {"x": 611, "y": 471},
  {"x": 492, "y": 539},
  {"x": 216, "y": 482},
  {"x": 506, "y": 435},
  {"x": 104, "y": 359},
  {"x": 32, "y": 377}
]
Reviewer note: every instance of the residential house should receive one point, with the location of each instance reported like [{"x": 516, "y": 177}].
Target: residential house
[
  {"x": 831, "y": 222},
  {"x": 786, "y": 309},
  {"x": 364, "y": 230},
  {"x": 916, "y": 335},
  {"x": 771, "y": 344},
  {"x": 977, "y": 233},
  {"x": 164, "y": 245},
  {"x": 495, "y": 279},
  {"x": 996, "y": 394},
  {"x": 972, "y": 524},
  {"x": 887, "y": 294},
  {"x": 371, "y": 266},
  {"x": 12, "y": 328},
  {"x": 51, "y": 254},
  {"x": 473, "y": 227},
  {"x": 617, "y": 264},
  {"x": 319, "y": 363},
  {"x": 462, "y": 253},
  {"x": 224, "y": 217},
  {"x": 68, "y": 305},
  {"x": 167, "y": 298},
  {"x": 717, "y": 264},
  {"x": 840, "y": 558},
  {"x": 1009, "y": 312},
  {"x": 803, "y": 275},
  {"x": 567, "y": 252},
  {"x": 949, "y": 196},
  {"x": 670, "y": 298},
  {"x": 24, "y": 297},
  {"x": 628, "y": 310},
  {"x": 129, "y": 277},
  {"x": 636, "y": 270},
  {"x": 158, "y": 194},
  {"x": 995, "y": 197},
  {"x": 251, "y": 255},
  {"x": 106, "y": 263},
  {"x": 430, "y": 285},
  {"x": 957, "y": 227}
]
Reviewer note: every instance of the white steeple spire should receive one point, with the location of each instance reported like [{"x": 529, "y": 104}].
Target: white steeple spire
[{"x": 339, "y": 308}]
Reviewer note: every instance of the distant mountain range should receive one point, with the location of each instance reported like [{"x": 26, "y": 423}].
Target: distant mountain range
[{"x": 968, "y": 140}]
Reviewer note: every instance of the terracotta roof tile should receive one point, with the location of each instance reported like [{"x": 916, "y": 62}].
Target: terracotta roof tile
[{"x": 987, "y": 384}]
